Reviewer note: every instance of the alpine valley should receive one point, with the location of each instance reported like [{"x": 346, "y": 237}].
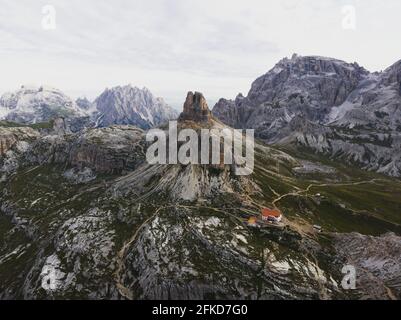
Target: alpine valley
[{"x": 84, "y": 216}]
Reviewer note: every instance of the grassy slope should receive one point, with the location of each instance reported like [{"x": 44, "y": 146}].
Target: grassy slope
[
  {"x": 369, "y": 208},
  {"x": 41, "y": 125}
]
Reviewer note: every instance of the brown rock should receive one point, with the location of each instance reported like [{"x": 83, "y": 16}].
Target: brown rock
[
  {"x": 10, "y": 136},
  {"x": 195, "y": 108}
]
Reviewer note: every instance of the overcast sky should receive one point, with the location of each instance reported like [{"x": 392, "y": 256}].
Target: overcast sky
[{"x": 171, "y": 46}]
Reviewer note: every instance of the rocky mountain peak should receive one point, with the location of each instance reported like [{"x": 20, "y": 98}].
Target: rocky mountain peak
[
  {"x": 314, "y": 101},
  {"x": 32, "y": 104},
  {"x": 83, "y": 103},
  {"x": 318, "y": 64},
  {"x": 392, "y": 75},
  {"x": 130, "y": 105},
  {"x": 195, "y": 108}
]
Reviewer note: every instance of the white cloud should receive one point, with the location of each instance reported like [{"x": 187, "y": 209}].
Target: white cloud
[{"x": 172, "y": 46}]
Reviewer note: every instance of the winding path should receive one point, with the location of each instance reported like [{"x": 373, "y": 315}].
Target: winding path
[
  {"x": 124, "y": 291},
  {"x": 301, "y": 192}
]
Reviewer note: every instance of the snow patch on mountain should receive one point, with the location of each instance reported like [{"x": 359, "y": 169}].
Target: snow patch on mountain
[
  {"x": 3, "y": 112},
  {"x": 337, "y": 113},
  {"x": 37, "y": 104}
]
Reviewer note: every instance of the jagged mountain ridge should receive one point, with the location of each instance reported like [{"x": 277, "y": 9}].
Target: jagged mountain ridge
[
  {"x": 118, "y": 105},
  {"x": 311, "y": 85},
  {"x": 31, "y": 105},
  {"x": 328, "y": 106},
  {"x": 131, "y": 105}
]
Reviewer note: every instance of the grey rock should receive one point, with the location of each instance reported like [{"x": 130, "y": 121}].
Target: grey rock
[
  {"x": 328, "y": 106},
  {"x": 377, "y": 263},
  {"x": 105, "y": 150},
  {"x": 31, "y": 105},
  {"x": 129, "y": 105},
  {"x": 83, "y": 103}
]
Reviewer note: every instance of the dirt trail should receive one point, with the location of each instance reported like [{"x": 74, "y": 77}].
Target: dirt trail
[
  {"x": 301, "y": 192},
  {"x": 124, "y": 291}
]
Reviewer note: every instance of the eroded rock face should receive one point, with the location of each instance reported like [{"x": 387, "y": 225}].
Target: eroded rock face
[
  {"x": 328, "y": 81},
  {"x": 184, "y": 255},
  {"x": 6, "y": 142},
  {"x": 83, "y": 103},
  {"x": 328, "y": 106},
  {"x": 110, "y": 150},
  {"x": 129, "y": 105},
  {"x": 310, "y": 86},
  {"x": 377, "y": 263},
  {"x": 10, "y": 136},
  {"x": 195, "y": 108},
  {"x": 105, "y": 150}
]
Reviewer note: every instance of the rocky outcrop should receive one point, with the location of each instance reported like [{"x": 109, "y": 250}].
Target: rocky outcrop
[
  {"x": 83, "y": 103},
  {"x": 104, "y": 150},
  {"x": 195, "y": 108},
  {"x": 11, "y": 136},
  {"x": 169, "y": 259},
  {"x": 6, "y": 142},
  {"x": 377, "y": 263},
  {"x": 110, "y": 150}
]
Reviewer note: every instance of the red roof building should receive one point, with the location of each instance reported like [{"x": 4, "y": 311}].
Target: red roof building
[{"x": 274, "y": 215}]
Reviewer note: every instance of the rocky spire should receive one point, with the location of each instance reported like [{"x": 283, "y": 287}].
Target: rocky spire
[{"x": 195, "y": 108}]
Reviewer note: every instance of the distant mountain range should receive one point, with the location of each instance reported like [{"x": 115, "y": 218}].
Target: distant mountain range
[
  {"x": 327, "y": 106},
  {"x": 31, "y": 105},
  {"x": 314, "y": 104},
  {"x": 119, "y": 105}
]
